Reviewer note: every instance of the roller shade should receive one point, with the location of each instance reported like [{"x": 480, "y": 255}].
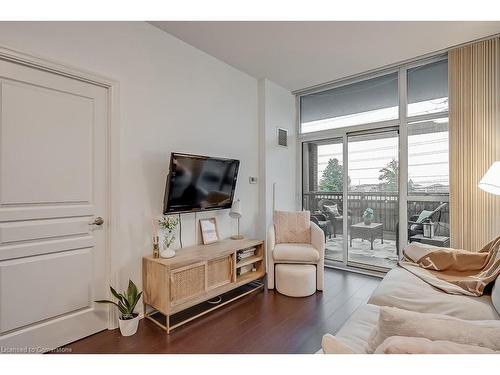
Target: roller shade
[
  {"x": 428, "y": 82},
  {"x": 372, "y": 94}
]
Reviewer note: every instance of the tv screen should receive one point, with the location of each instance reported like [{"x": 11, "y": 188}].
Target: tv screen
[{"x": 197, "y": 183}]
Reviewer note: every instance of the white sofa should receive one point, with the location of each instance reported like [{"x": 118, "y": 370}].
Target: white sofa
[{"x": 402, "y": 289}]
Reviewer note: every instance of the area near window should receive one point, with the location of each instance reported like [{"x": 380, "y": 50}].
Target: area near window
[{"x": 352, "y": 167}]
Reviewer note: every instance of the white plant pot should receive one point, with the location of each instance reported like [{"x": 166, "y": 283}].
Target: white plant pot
[
  {"x": 167, "y": 253},
  {"x": 129, "y": 327}
]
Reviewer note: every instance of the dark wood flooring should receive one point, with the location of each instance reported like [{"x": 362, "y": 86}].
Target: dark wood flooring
[{"x": 263, "y": 322}]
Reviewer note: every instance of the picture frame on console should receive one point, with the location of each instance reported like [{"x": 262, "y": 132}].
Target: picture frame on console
[{"x": 209, "y": 230}]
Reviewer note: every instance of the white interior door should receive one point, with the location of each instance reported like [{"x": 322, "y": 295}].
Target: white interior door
[{"x": 52, "y": 186}]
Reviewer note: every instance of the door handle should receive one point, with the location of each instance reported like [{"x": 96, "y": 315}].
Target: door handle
[{"x": 97, "y": 221}]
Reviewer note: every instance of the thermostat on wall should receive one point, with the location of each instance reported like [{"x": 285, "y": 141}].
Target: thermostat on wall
[{"x": 252, "y": 180}]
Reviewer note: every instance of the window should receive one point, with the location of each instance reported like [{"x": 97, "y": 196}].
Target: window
[
  {"x": 368, "y": 101},
  {"x": 428, "y": 153},
  {"x": 428, "y": 167},
  {"x": 352, "y": 174},
  {"x": 428, "y": 88}
]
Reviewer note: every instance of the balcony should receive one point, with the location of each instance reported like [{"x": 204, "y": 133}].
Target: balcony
[{"x": 383, "y": 252}]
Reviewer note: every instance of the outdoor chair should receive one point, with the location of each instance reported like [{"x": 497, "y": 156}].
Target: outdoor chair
[{"x": 335, "y": 219}]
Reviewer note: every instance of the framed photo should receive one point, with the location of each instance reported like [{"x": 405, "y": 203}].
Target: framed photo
[{"x": 209, "y": 230}]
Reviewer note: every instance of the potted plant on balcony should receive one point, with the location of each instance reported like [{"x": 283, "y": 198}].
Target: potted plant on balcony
[
  {"x": 368, "y": 216},
  {"x": 127, "y": 301}
]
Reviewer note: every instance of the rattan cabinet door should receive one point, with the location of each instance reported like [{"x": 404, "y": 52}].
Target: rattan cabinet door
[
  {"x": 188, "y": 282},
  {"x": 219, "y": 271}
]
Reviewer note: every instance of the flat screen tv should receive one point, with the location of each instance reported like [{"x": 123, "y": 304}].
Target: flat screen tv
[{"x": 199, "y": 183}]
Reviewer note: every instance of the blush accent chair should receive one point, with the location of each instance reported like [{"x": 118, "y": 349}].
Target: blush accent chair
[{"x": 295, "y": 254}]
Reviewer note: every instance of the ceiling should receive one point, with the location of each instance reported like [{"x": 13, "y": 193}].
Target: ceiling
[{"x": 300, "y": 54}]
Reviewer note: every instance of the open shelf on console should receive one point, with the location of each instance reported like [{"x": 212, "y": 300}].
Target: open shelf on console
[
  {"x": 203, "y": 308},
  {"x": 249, "y": 260}
]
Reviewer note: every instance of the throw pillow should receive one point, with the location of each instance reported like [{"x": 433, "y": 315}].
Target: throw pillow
[
  {"x": 397, "y": 322},
  {"x": 334, "y": 209},
  {"x": 292, "y": 227},
  {"x": 420, "y": 345},
  {"x": 423, "y": 215},
  {"x": 332, "y": 345}
]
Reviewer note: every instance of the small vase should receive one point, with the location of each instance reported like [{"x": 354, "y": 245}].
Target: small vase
[
  {"x": 368, "y": 221},
  {"x": 128, "y": 327},
  {"x": 166, "y": 239},
  {"x": 167, "y": 253}
]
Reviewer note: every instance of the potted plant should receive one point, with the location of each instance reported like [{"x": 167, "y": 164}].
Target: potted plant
[
  {"x": 368, "y": 216},
  {"x": 127, "y": 301}
]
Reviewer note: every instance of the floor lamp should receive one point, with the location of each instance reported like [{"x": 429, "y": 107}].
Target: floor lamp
[{"x": 491, "y": 179}]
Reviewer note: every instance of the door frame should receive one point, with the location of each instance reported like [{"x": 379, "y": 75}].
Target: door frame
[{"x": 112, "y": 151}]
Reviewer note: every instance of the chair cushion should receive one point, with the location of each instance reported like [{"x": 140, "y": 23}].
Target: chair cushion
[
  {"x": 292, "y": 226},
  {"x": 423, "y": 215},
  {"x": 295, "y": 252},
  {"x": 334, "y": 209}
]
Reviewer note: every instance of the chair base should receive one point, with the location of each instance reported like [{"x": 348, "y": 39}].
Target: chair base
[{"x": 295, "y": 280}]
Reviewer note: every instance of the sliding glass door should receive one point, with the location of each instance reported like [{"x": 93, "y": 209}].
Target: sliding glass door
[
  {"x": 323, "y": 192},
  {"x": 373, "y": 199}
]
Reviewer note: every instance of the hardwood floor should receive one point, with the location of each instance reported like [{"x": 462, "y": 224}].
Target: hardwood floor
[{"x": 263, "y": 322}]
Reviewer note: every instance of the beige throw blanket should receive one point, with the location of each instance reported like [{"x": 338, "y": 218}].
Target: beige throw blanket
[{"x": 452, "y": 270}]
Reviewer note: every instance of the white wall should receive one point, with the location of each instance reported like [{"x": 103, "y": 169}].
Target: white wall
[
  {"x": 173, "y": 97},
  {"x": 278, "y": 164}
]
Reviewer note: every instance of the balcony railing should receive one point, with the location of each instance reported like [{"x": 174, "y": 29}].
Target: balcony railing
[{"x": 384, "y": 204}]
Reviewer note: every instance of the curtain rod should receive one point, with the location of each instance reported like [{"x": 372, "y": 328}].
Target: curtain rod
[{"x": 393, "y": 65}]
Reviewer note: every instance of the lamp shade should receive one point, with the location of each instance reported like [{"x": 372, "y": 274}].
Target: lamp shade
[
  {"x": 491, "y": 179},
  {"x": 235, "y": 211}
]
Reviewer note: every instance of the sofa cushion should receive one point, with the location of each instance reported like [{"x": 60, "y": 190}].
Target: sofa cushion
[
  {"x": 398, "y": 322},
  {"x": 358, "y": 328},
  {"x": 295, "y": 252},
  {"x": 420, "y": 345},
  {"x": 495, "y": 295},
  {"x": 292, "y": 227},
  {"x": 402, "y": 289}
]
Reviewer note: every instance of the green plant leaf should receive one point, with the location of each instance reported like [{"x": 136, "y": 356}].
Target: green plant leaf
[
  {"x": 114, "y": 292},
  {"x": 131, "y": 293},
  {"x": 122, "y": 311},
  {"x": 137, "y": 298},
  {"x": 127, "y": 301}
]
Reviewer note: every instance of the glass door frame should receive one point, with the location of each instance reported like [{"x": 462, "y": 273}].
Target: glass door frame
[
  {"x": 344, "y": 133},
  {"x": 387, "y": 129},
  {"x": 401, "y": 123}
]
